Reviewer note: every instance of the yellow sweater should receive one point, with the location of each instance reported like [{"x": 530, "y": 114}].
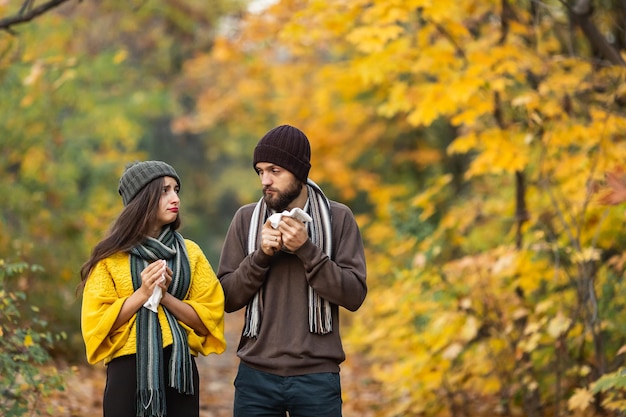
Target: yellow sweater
[{"x": 110, "y": 284}]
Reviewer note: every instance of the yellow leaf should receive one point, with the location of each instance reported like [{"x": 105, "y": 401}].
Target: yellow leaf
[
  {"x": 35, "y": 73},
  {"x": 27, "y": 100},
  {"x": 520, "y": 313},
  {"x": 543, "y": 306},
  {"x": 586, "y": 254},
  {"x": 581, "y": 399},
  {"x": 558, "y": 325},
  {"x": 465, "y": 303},
  {"x": 34, "y": 162},
  {"x": 28, "y": 341},
  {"x": 469, "y": 329},
  {"x": 452, "y": 351},
  {"x": 120, "y": 56},
  {"x": 530, "y": 344},
  {"x": 373, "y": 38},
  {"x": 463, "y": 144}
]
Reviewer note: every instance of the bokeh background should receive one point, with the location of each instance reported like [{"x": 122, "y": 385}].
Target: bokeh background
[{"x": 471, "y": 138}]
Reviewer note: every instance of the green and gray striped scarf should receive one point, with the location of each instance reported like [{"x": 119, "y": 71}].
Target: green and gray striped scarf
[
  {"x": 320, "y": 232},
  {"x": 169, "y": 246}
]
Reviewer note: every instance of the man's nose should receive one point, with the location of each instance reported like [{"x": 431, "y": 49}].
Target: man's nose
[{"x": 266, "y": 179}]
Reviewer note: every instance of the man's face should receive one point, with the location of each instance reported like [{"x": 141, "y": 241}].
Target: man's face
[{"x": 280, "y": 187}]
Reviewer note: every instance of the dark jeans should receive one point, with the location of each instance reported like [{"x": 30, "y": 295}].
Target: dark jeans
[
  {"x": 260, "y": 394},
  {"x": 121, "y": 386}
]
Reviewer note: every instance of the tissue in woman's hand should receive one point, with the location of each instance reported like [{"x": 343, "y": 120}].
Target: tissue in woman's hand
[
  {"x": 155, "y": 298},
  {"x": 296, "y": 213}
]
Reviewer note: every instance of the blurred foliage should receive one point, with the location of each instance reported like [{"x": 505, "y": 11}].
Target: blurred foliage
[
  {"x": 27, "y": 374},
  {"x": 469, "y": 137},
  {"x": 79, "y": 101}
]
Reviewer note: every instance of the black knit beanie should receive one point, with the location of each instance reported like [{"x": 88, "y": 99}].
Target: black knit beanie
[
  {"x": 138, "y": 174},
  {"x": 288, "y": 147}
]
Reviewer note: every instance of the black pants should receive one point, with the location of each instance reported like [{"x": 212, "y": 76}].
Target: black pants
[{"x": 121, "y": 386}]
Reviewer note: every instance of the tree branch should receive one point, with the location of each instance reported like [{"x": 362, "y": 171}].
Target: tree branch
[
  {"x": 32, "y": 13},
  {"x": 581, "y": 13}
]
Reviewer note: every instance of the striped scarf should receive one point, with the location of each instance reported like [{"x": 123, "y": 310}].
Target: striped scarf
[
  {"x": 150, "y": 380},
  {"x": 320, "y": 319}
]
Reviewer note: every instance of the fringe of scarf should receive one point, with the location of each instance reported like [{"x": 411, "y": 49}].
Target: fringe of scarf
[
  {"x": 150, "y": 375},
  {"x": 320, "y": 318}
]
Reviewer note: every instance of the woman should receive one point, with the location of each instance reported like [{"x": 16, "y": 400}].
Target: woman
[{"x": 144, "y": 262}]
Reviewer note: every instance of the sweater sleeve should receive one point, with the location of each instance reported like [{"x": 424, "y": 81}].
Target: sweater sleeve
[
  {"x": 100, "y": 307},
  {"x": 241, "y": 274},
  {"x": 206, "y": 297},
  {"x": 341, "y": 280}
]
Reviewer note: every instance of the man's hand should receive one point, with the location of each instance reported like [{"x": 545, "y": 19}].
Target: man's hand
[
  {"x": 294, "y": 233},
  {"x": 271, "y": 240}
]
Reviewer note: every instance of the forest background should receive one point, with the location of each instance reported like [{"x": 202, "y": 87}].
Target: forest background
[{"x": 471, "y": 138}]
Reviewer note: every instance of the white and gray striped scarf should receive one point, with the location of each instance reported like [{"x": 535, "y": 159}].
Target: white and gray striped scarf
[
  {"x": 150, "y": 376},
  {"x": 320, "y": 232}
]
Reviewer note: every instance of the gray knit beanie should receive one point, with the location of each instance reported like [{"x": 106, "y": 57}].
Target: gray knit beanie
[
  {"x": 288, "y": 147},
  {"x": 138, "y": 174}
]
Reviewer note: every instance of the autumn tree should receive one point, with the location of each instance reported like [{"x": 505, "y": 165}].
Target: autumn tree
[
  {"x": 470, "y": 136},
  {"x": 86, "y": 88}
]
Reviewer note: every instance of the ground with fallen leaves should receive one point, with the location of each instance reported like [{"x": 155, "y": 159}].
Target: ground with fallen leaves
[{"x": 85, "y": 385}]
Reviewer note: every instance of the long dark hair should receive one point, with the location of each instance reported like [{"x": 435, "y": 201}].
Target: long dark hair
[{"x": 130, "y": 228}]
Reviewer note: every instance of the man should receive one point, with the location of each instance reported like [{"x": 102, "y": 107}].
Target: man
[{"x": 291, "y": 278}]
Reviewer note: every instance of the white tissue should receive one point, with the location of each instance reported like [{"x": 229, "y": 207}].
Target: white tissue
[
  {"x": 155, "y": 298},
  {"x": 296, "y": 213}
]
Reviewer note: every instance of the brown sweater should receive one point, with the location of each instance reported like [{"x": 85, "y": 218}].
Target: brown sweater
[{"x": 284, "y": 345}]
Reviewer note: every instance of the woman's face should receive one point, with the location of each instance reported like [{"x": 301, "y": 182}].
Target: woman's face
[{"x": 169, "y": 203}]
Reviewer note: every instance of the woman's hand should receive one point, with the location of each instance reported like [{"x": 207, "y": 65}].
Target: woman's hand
[
  {"x": 157, "y": 273},
  {"x": 165, "y": 284}
]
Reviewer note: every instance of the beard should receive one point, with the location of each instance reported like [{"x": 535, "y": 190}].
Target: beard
[{"x": 281, "y": 200}]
